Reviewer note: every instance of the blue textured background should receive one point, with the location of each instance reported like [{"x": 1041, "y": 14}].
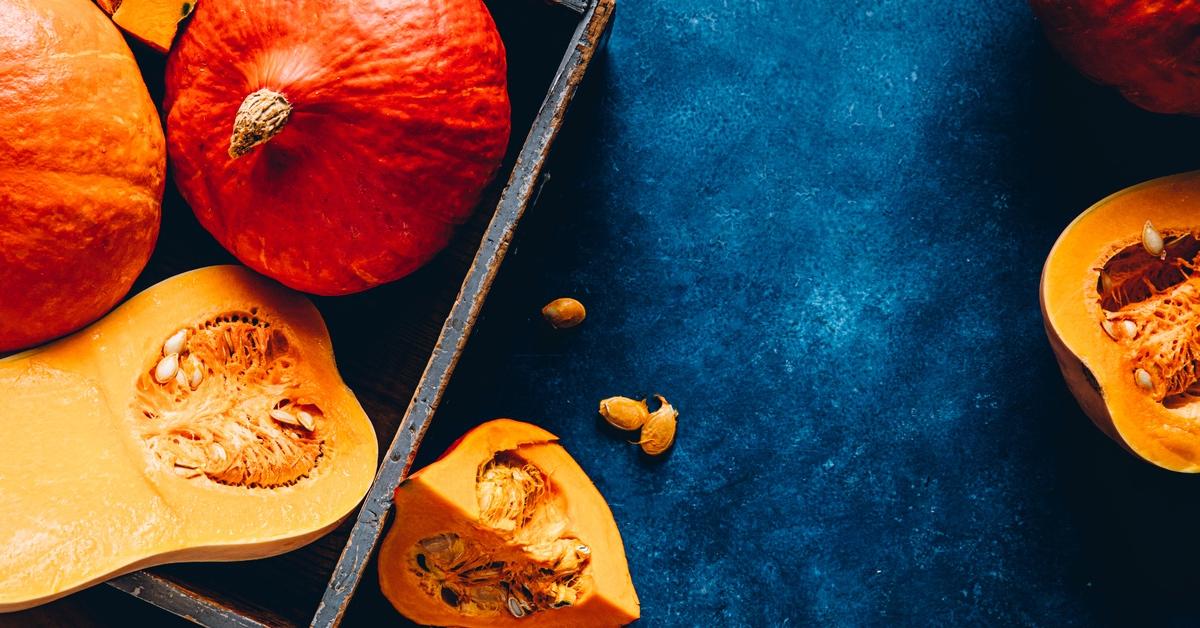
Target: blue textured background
[{"x": 817, "y": 228}]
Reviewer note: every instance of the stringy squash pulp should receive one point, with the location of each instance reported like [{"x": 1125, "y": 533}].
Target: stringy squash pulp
[{"x": 506, "y": 529}]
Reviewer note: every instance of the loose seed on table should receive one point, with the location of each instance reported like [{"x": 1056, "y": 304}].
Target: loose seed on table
[
  {"x": 624, "y": 413},
  {"x": 563, "y": 313},
  {"x": 659, "y": 431}
]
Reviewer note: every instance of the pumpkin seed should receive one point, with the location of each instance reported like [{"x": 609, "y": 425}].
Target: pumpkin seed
[
  {"x": 174, "y": 344},
  {"x": 564, "y": 313},
  {"x": 197, "y": 372},
  {"x": 1143, "y": 380},
  {"x": 659, "y": 431},
  {"x": 166, "y": 368},
  {"x": 1106, "y": 283},
  {"x": 1152, "y": 240},
  {"x": 283, "y": 416},
  {"x": 1129, "y": 328},
  {"x": 514, "y": 607},
  {"x": 306, "y": 420},
  {"x": 624, "y": 413},
  {"x": 180, "y": 379}
]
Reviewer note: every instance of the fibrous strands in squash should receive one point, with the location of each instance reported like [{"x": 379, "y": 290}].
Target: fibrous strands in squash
[
  {"x": 1151, "y": 306},
  {"x": 522, "y": 564},
  {"x": 223, "y": 404}
]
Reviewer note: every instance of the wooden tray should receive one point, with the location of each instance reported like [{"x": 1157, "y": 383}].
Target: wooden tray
[{"x": 396, "y": 345}]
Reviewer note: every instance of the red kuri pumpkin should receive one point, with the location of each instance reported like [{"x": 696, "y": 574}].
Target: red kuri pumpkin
[
  {"x": 333, "y": 145},
  {"x": 1148, "y": 50},
  {"x": 82, "y": 168}
]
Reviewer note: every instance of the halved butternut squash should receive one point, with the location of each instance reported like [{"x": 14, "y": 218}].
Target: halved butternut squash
[
  {"x": 1120, "y": 299},
  {"x": 505, "y": 529},
  {"x": 202, "y": 420}
]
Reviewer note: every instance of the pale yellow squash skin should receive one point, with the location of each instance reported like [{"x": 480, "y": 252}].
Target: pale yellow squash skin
[
  {"x": 1072, "y": 313},
  {"x": 81, "y": 497}
]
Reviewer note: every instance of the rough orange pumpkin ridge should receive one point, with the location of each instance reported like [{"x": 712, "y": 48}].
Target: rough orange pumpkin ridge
[
  {"x": 399, "y": 118},
  {"x": 82, "y": 168}
]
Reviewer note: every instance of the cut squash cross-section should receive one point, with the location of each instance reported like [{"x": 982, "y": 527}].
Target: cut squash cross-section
[
  {"x": 202, "y": 420},
  {"x": 1120, "y": 299},
  {"x": 506, "y": 529}
]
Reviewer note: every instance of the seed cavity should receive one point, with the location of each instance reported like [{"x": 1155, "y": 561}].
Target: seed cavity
[
  {"x": 519, "y": 560},
  {"x": 213, "y": 408},
  {"x": 1152, "y": 311}
]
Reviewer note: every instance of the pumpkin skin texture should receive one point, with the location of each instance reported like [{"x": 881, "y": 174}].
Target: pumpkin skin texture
[
  {"x": 82, "y": 168},
  {"x": 378, "y": 126},
  {"x": 505, "y": 506},
  {"x": 122, "y": 469},
  {"x": 1127, "y": 351},
  {"x": 1146, "y": 49}
]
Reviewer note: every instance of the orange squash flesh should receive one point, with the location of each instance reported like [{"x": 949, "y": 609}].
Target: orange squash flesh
[
  {"x": 105, "y": 469},
  {"x": 154, "y": 22},
  {"x": 1126, "y": 341},
  {"x": 506, "y": 530}
]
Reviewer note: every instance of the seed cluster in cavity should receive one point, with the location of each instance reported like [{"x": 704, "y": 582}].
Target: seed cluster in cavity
[
  {"x": 223, "y": 402},
  {"x": 521, "y": 562},
  {"x": 1150, "y": 302}
]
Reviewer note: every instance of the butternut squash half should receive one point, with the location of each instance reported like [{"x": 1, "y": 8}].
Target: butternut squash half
[
  {"x": 203, "y": 420},
  {"x": 506, "y": 530},
  {"x": 1120, "y": 298}
]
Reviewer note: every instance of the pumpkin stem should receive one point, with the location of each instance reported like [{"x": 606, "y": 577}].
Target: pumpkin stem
[{"x": 261, "y": 116}]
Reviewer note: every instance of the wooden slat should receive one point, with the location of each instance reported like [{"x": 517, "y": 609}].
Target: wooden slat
[{"x": 522, "y": 184}]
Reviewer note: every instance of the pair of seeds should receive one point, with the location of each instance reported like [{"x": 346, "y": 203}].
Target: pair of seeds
[
  {"x": 300, "y": 419},
  {"x": 658, "y": 427},
  {"x": 170, "y": 366}
]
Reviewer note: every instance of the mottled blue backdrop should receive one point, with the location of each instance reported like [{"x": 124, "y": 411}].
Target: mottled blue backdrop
[{"x": 817, "y": 227}]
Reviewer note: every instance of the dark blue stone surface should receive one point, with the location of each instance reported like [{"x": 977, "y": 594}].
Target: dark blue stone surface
[{"x": 817, "y": 228}]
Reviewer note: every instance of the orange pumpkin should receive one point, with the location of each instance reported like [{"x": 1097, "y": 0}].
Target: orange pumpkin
[
  {"x": 1120, "y": 299},
  {"x": 333, "y": 145},
  {"x": 505, "y": 529},
  {"x": 82, "y": 167}
]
